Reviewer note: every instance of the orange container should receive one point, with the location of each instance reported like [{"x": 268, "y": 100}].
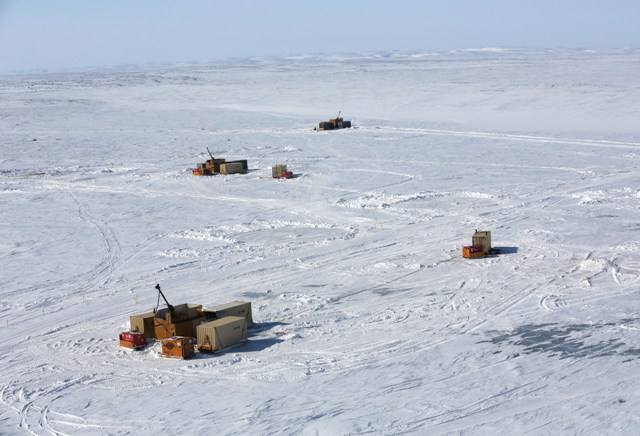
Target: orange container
[
  {"x": 180, "y": 347},
  {"x": 472, "y": 251}
]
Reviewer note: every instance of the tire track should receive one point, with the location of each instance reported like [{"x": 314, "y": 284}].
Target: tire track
[
  {"x": 511, "y": 137},
  {"x": 101, "y": 274}
]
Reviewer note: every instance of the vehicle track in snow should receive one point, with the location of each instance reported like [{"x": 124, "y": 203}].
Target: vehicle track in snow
[
  {"x": 81, "y": 284},
  {"x": 399, "y": 350},
  {"x": 469, "y": 417},
  {"x": 99, "y": 276},
  {"x": 37, "y": 414},
  {"x": 102, "y": 273},
  {"x": 510, "y": 137}
]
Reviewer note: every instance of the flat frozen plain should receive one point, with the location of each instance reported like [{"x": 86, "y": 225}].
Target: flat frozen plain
[{"x": 368, "y": 319}]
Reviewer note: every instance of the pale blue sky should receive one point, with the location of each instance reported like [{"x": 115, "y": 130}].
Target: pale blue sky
[{"x": 62, "y": 34}]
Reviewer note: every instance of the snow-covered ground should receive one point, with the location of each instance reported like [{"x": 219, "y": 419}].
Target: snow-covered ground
[{"x": 369, "y": 321}]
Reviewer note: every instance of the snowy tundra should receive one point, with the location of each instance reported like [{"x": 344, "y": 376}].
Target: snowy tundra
[{"x": 368, "y": 319}]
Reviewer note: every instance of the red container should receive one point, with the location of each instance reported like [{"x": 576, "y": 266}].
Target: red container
[{"x": 133, "y": 340}]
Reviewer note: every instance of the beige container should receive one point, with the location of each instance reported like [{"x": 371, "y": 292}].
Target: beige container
[
  {"x": 181, "y": 312},
  {"x": 483, "y": 239},
  {"x": 231, "y": 168},
  {"x": 214, "y": 165},
  {"x": 182, "y": 322},
  {"x": 277, "y": 170},
  {"x": 143, "y": 323},
  {"x": 235, "y": 308},
  {"x": 222, "y": 333}
]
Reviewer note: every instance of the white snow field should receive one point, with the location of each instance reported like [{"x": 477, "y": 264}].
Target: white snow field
[{"x": 369, "y": 321}]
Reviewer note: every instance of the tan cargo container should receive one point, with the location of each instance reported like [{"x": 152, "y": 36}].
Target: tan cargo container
[
  {"x": 231, "y": 168},
  {"x": 166, "y": 329},
  {"x": 214, "y": 164},
  {"x": 245, "y": 164},
  {"x": 483, "y": 239},
  {"x": 222, "y": 333},
  {"x": 182, "y": 322},
  {"x": 143, "y": 323},
  {"x": 281, "y": 172},
  {"x": 182, "y": 312},
  {"x": 178, "y": 346},
  {"x": 277, "y": 170},
  {"x": 235, "y": 308}
]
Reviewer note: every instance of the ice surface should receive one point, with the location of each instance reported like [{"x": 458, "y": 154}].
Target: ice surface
[{"x": 368, "y": 319}]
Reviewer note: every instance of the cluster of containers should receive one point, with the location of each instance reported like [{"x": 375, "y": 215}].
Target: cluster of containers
[
  {"x": 480, "y": 245},
  {"x": 189, "y": 327},
  {"x": 280, "y": 172},
  {"x": 334, "y": 123},
  {"x": 221, "y": 166}
]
